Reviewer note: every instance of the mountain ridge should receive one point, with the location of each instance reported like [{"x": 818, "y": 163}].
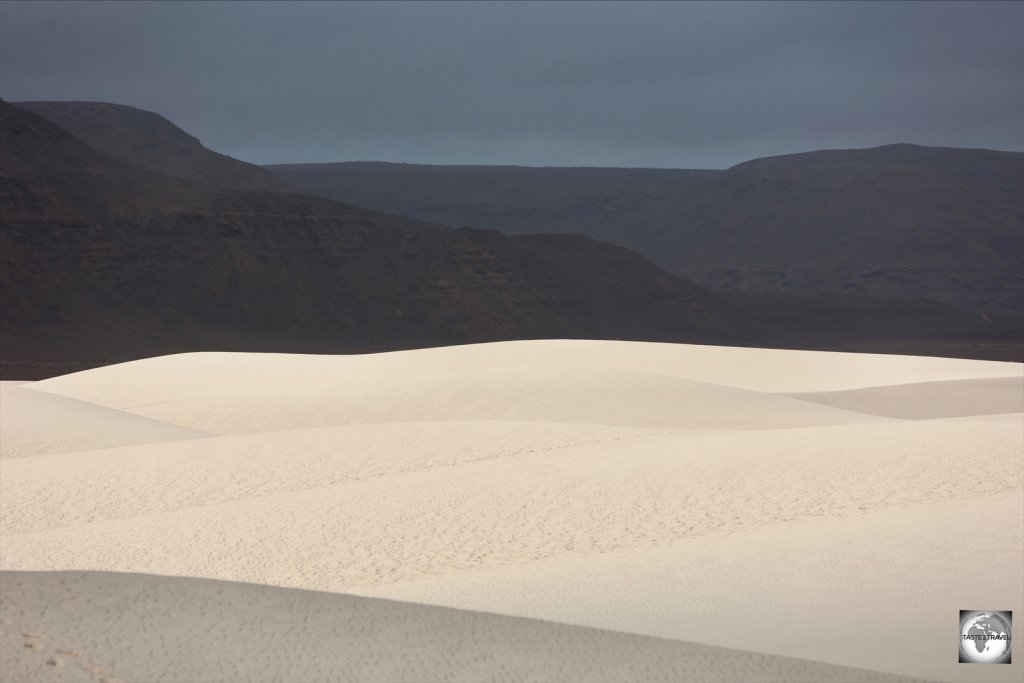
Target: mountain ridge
[
  {"x": 147, "y": 140},
  {"x": 899, "y": 220},
  {"x": 103, "y": 261}
]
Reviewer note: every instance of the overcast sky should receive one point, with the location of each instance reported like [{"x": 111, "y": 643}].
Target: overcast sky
[{"x": 690, "y": 85}]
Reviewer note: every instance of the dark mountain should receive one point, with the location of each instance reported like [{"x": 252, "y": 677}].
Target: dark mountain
[
  {"x": 604, "y": 203},
  {"x": 147, "y": 140},
  {"x": 899, "y": 221},
  {"x": 101, "y": 261}
]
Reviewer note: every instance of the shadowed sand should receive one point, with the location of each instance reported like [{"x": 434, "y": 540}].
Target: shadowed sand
[
  {"x": 660, "y": 490},
  {"x": 929, "y": 400},
  {"x": 87, "y": 626},
  {"x": 36, "y": 422}
]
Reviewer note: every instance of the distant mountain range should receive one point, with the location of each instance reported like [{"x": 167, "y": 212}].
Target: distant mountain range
[
  {"x": 899, "y": 221},
  {"x": 121, "y": 236},
  {"x": 104, "y": 261}
]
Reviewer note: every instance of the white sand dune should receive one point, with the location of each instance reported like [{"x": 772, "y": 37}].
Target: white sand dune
[
  {"x": 36, "y": 422},
  {"x": 64, "y": 489},
  {"x": 191, "y": 375},
  {"x": 537, "y": 393},
  {"x": 929, "y": 400},
  {"x": 880, "y": 589},
  {"x": 661, "y": 490},
  {"x": 1014, "y": 418},
  {"x": 464, "y": 517},
  {"x": 125, "y": 627}
]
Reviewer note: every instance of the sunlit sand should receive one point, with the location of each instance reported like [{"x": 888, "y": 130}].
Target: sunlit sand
[{"x": 781, "y": 506}]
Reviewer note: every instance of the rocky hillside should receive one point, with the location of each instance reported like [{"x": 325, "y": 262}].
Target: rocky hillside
[
  {"x": 102, "y": 261},
  {"x": 898, "y": 221},
  {"x": 600, "y": 202},
  {"x": 147, "y": 140}
]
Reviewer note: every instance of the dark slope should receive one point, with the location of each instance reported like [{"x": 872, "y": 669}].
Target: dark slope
[
  {"x": 103, "y": 262},
  {"x": 897, "y": 221},
  {"x": 604, "y": 203},
  {"x": 900, "y": 220},
  {"x": 147, "y": 140}
]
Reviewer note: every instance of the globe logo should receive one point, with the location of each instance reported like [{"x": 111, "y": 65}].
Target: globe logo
[{"x": 985, "y": 637}]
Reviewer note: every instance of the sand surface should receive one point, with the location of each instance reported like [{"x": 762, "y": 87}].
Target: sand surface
[
  {"x": 833, "y": 507},
  {"x": 93, "y": 627},
  {"x": 929, "y": 400},
  {"x": 36, "y": 422}
]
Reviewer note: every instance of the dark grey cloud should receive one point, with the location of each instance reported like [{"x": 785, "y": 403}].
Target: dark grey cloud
[{"x": 624, "y": 84}]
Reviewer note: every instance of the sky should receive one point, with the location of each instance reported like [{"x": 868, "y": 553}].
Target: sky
[{"x": 662, "y": 84}]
